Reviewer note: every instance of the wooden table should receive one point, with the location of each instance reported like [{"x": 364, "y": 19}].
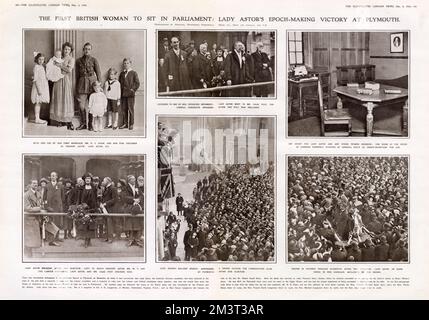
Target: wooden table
[
  {"x": 301, "y": 84},
  {"x": 377, "y": 99}
]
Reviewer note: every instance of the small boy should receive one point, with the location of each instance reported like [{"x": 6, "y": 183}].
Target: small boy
[
  {"x": 129, "y": 81},
  {"x": 112, "y": 90}
]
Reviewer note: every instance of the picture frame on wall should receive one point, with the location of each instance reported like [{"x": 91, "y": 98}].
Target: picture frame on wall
[{"x": 397, "y": 42}]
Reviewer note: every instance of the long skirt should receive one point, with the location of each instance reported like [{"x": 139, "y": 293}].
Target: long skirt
[{"x": 62, "y": 101}]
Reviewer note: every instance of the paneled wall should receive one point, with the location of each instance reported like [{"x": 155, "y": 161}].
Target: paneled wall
[
  {"x": 327, "y": 50},
  {"x": 389, "y": 65}
]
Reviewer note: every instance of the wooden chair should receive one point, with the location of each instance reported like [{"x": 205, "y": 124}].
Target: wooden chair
[{"x": 338, "y": 117}]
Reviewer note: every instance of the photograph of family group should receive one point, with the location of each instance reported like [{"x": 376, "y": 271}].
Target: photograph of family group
[{"x": 84, "y": 82}]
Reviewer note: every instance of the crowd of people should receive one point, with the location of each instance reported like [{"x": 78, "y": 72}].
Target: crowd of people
[
  {"x": 88, "y": 195},
  {"x": 53, "y": 85},
  {"x": 198, "y": 66},
  {"x": 348, "y": 209},
  {"x": 230, "y": 218}
]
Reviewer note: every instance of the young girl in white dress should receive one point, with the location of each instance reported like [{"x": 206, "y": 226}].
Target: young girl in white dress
[
  {"x": 40, "y": 88},
  {"x": 97, "y": 106}
]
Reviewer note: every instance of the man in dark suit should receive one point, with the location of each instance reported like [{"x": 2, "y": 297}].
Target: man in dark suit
[
  {"x": 108, "y": 202},
  {"x": 201, "y": 70},
  {"x": 54, "y": 195},
  {"x": 87, "y": 72},
  {"x": 179, "y": 204},
  {"x": 176, "y": 68},
  {"x": 186, "y": 238},
  {"x": 129, "y": 81},
  {"x": 163, "y": 48},
  {"x": 133, "y": 199},
  {"x": 261, "y": 63},
  {"x": 236, "y": 70}
]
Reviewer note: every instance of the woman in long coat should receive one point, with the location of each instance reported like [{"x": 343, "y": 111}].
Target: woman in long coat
[
  {"x": 118, "y": 222},
  {"x": 62, "y": 100},
  {"x": 89, "y": 197}
]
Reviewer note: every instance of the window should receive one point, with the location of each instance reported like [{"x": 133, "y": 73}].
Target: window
[{"x": 296, "y": 48}]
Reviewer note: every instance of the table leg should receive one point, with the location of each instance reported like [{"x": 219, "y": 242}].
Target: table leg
[
  {"x": 369, "y": 119},
  {"x": 339, "y": 103},
  {"x": 301, "y": 110},
  {"x": 405, "y": 119}
]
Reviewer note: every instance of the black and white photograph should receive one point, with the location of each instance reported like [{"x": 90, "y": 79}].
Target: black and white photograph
[
  {"x": 79, "y": 208},
  {"x": 397, "y": 42},
  {"x": 348, "y": 83},
  {"x": 84, "y": 83},
  {"x": 216, "y": 64},
  {"x": 348, "y": 209},
  {"x": 216, "y": 189}
]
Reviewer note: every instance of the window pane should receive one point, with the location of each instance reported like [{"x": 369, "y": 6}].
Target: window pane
[
  {"x": 299, "y": 58},
  {"x": 292, "y": 46},
  {"x": 292, "y": 58},
  {"x": 291, "y": 35},
  {"x": 298, "y": 36},
  {"x": 298, "y": 46}
]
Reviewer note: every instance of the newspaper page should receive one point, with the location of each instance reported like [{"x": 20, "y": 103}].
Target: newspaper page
[{"x": 214, "y": 150}]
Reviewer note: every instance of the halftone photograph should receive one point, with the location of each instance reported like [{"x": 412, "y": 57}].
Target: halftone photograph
[
  {"x": 348, "y": 83},
  {"x": 216, "y": 64},
  {"x": 348, "y": 209},
  {"x": 79, "y": 208},
  {"x": 216, "y": 189},
  {"x": 81, "y": 82}
]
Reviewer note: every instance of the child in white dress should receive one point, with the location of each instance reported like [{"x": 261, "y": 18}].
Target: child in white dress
[
  {"x": 53, "y": 72},
  {"x": 97, "y": 106},
  {"x": 40, "y": 88}
]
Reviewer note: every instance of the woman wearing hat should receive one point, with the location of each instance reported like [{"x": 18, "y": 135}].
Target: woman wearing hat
[
  {"x": 68, "y": 200},
  {"x": 118, "y": 223},
  {"x": 88, "y": 196},
  {"x": 42, "y": 189}
]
